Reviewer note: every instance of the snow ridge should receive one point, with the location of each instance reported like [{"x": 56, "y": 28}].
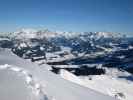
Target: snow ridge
[{"x": 30, "y": 81}]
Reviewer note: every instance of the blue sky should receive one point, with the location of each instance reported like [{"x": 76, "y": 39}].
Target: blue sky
[{"x": 67, "y": 15}]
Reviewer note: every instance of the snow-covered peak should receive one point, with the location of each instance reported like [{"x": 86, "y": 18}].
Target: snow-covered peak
[
  {"x": 108, "y": 34},
  {"x": 34, "y": 33},
  {"x": 24, "y": 34},
  {"x": 92, "y": 35},
  {"x": 28, "y": 30}
]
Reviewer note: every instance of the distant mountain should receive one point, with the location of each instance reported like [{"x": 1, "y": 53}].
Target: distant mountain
[
  {"x": 107, "y": 48},
  {"x": 81, "y": 42}
]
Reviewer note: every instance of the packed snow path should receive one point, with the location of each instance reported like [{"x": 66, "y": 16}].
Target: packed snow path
[{"x": 51, "y": 85}]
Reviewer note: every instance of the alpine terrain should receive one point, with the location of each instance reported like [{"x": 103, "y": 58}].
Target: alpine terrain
[{"x": 47, "y": 65}]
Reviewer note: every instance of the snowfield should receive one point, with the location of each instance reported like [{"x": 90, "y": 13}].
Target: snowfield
[
  {"x": 17, "y": 82},
  {"x": 106, "y": 84},
  {"x": 43, "y": 85}
]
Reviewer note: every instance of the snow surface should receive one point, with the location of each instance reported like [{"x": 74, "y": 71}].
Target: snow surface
[
  {"x": 108, "y": 84},
  {"x": 51, "y": 86},
  {"x": 36, "y": 92}
]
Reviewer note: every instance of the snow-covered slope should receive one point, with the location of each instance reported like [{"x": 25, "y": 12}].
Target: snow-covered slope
[
  {"x": 53, "y": 87},
  {"x": 15, "y": 78},
  {"x": 108, "y": 84}
]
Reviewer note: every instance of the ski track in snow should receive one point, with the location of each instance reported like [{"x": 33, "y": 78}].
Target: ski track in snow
[{"x": 30, "y": 81}]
